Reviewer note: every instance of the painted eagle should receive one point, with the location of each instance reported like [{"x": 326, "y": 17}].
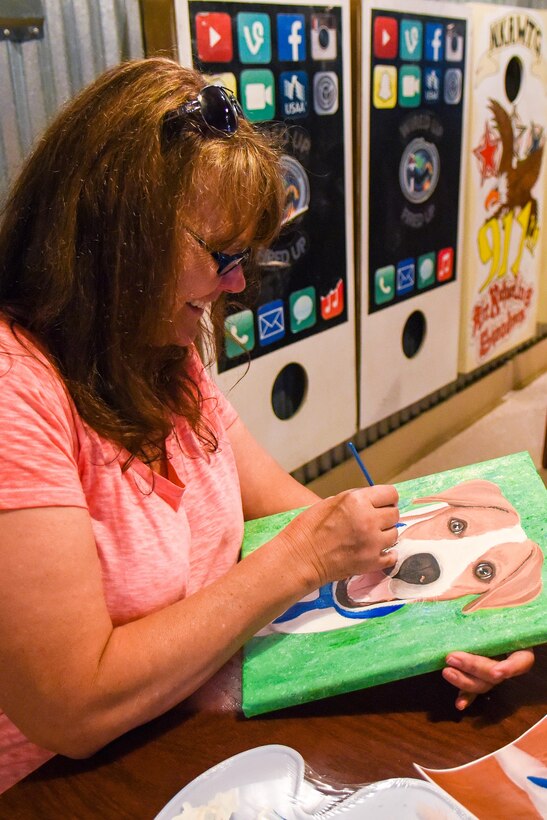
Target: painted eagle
[{"x": 521, "y": 176}]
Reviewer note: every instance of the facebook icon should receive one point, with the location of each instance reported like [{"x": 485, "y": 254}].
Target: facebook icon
[
  {"x": 434, "y": 42},
  {"x": 291, "y": 38}
]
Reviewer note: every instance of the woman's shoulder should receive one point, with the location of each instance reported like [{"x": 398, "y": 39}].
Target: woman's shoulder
[{"x": 23, "y": 363}]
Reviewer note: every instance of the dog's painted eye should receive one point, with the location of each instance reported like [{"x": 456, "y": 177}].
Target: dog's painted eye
[
  {"x": 457, "y": 526},
  {"x": 484, "y": 571}
]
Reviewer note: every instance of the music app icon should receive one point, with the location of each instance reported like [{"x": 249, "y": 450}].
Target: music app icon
[
  {"x": 445, "y": 264},
  {"x": 333, "y": 303}
]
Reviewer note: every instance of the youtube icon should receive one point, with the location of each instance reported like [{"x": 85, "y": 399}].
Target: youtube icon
[
  {"x": 386, "y": 38},
  {"x": 214, "y": 37}
]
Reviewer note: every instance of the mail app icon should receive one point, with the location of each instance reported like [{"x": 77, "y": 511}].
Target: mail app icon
[
  {"x": 271, "y": 322},
  {"x": 406, "y": 276}
]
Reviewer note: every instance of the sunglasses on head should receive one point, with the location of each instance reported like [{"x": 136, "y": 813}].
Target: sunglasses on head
[
  {"x": 215, "y": 107},
  {"x": 226, "y": 261}
]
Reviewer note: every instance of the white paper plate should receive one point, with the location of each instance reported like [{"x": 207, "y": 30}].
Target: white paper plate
[{"x": 268, "y": 783}]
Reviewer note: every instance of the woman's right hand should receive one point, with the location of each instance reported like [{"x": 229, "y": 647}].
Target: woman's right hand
[{"x": 343, "y": 535}]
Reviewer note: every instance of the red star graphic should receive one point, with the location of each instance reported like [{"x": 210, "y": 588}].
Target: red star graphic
[{"x": 486, "y": 154}]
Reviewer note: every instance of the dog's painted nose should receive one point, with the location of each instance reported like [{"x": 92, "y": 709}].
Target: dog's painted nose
[{"x": 420, "y": 569}]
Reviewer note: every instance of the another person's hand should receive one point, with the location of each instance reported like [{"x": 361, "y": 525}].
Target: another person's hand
[
  {"x": 474, "y": 674},
  {"x": 348, "y": 534}
]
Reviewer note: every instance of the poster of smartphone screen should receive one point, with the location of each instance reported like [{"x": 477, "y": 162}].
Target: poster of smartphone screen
[
  {"x": 295, "y": 323},
  {"x": 506, "y": 181},
  {"x": 414, "y": 67}
]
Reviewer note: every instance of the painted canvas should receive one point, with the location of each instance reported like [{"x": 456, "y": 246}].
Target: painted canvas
[
  {"x": 511, "y": 782},
  {"x": 470, "y": 575}
]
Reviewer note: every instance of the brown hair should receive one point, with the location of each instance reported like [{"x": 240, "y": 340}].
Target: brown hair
[{"x": 91, "y": 238}]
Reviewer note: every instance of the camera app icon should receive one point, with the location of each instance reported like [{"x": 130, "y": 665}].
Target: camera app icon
[{"x": 323, "y": 37}]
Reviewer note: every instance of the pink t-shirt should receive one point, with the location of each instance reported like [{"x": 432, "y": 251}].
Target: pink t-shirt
[{"x": 158, "y": 539}]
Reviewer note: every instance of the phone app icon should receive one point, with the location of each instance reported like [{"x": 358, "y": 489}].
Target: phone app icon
[
  {"x": 410, "y": 86},
  {"x": 293, "y": 93},
  {"x": 271, "y": 322},
  {"x": 453, "y": 83},
  {"x": 434, "y": 42},
  {"x": 406, "y": 276},
  {"x": 291, "y": 37},
  {"x": 426, "y": 270},
  {"x": 384, "y": 285},
  {"x": 411, "y": 42},
  {"x": 325, "y": 92},
  {"x": 332, "y": 304},
  {"x": 214, "y": 37},
  {"x": 323, "y": 37},
  {"x": 445, "y": 264},
  {"x": 384, "y": 86},
  {"x": 302, "y": 309},
  {"x": 454, "y": 43},
  {"x": 386, "y": 38},
  {"x": 254, "y": 38},
  {"x": 257, "y": 94},
  {"x": 239, "y": 333},
  {"x": 432, "y": 85}
]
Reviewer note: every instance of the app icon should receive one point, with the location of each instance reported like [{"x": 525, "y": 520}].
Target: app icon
[
  {"x": 434, "y": 42},
  {"x": 291, "y": 37},
  {"x": 453, "y": 81},
  {"x": 410, "y": 46},
  {"x": 384, "y": 284},
  {"x": 254, "y": 37},
  {"x": 445, "y": 264},
  {"x": 432, "y": 85},
  {"x": 454, "y": 42},
  {"x": 257, "y": 94},
  {"x": 419, "y": 170},
  {"x": 226, "y": 79},
  {"x": 386, "y": 38},
  {"x": 271, "y": 322},
  {"x": 406, "y": 276},
  {"x": 332, "y": 304},
  {"x": 384, "y": 86},
  {"x": 214, "y": 37},
  {"x": 302, "y": 309},
  {"x": 293, "y": 93},
  {"x": 239, "y": 332},
  {"x": 325, "y": 92},
  {"x": 323, "y": 37},
  {"x": 410, "y": 86},
  {"x": 426, "y": 270}
]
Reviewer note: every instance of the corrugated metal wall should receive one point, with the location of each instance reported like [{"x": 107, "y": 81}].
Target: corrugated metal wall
[{"x": 79, "y": 39}]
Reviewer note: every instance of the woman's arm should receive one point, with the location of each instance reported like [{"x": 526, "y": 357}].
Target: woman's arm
[
  {"x": 266, "y": 488},
  {"x": 72, "y": 681}
]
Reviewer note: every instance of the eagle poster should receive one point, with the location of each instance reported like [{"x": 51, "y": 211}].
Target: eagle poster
[
  {"x": 470, "y": 575},
  {"x": 506, "y": 182}
]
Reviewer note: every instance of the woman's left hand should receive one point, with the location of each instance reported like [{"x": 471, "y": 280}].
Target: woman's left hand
[{"x": 474, "y": 674}]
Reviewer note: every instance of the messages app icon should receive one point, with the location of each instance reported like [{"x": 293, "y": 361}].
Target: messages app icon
[{"x": 302, "y": 309}]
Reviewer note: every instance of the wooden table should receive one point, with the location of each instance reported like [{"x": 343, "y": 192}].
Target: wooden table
[{"x": 356, "y": 738}]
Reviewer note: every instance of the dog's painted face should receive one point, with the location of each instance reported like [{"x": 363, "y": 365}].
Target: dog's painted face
[{"x": 467, "y": 540}]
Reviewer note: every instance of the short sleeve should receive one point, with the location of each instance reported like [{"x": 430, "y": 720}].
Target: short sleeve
[{"x": 38, "y": 441}]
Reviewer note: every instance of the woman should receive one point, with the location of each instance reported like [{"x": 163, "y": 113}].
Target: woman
[{"x": 128, "y": 474}]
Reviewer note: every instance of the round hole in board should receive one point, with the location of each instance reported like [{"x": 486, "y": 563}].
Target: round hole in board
[
  {"x": 414, "y": 333},
  {"x": 289, "y": 391}
]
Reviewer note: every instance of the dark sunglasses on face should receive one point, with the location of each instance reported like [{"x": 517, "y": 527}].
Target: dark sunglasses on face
[
  {"x": 215, "y": 107},
  {"x": 226, "y": 261}
]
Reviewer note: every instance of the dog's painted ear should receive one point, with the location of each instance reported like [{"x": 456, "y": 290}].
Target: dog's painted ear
[
  {"x": 474, "y": 493},
  {"x": 520, "y": 587}
]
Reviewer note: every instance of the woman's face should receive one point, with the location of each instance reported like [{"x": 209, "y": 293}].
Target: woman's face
[{"x": 198, "y": 282}]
